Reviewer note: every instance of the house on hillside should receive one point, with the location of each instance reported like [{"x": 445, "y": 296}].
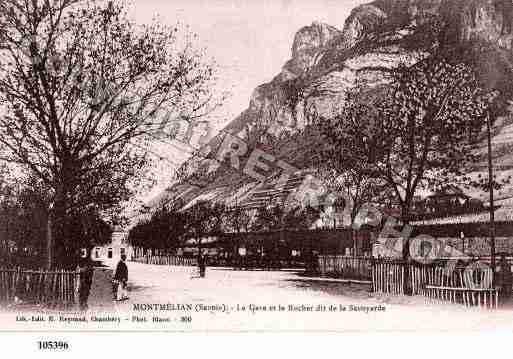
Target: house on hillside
[
  {"x": 301, "y": 190},
  {"x": 449, "y": 202}
]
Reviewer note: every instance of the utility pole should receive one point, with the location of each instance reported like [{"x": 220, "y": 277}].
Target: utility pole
[
  {"x": 490, "y": 185},
  {"x": 237, "y": 224},
  {"x": 282, "y": 225}
]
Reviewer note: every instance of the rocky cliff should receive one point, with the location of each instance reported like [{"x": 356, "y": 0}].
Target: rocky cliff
[{"x": 327, "y": 60}]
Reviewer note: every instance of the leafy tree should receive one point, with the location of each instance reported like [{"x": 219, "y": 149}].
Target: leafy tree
[
  {"x": 268, "y": 218},
  {"x": 94, "y": 230},
  {"x": 204, "y": 218},
  {"x": 430, "y": 127},
  {"x": 22, "y": 219},
  {"x": 139, "y": 235},
  {"x": 421, "y": 133},
  {"x": 346, "y": 170},
  {"x": 301, "y": 218},
  {"x": 23, "y": 222},
  {"x": 238, "y": 220},
  {"x": 278, "y": 217},
  {"x": 164, "y": 230},
  {"x": 81, "y": 90}
]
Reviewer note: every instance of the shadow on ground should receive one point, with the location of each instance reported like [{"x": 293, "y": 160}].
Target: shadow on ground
[
  {"x": 357, "y": 291},
  {"x": 138, "y": 288},
  {"x": 100, "y": 296}
]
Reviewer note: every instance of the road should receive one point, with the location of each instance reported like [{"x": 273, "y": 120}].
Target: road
[
  {"x": 261, "y": 290},
  {"x": 228, "y": 300}
]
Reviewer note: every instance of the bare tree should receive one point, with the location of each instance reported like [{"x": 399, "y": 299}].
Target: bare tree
[{"x": 80, "y": 90}]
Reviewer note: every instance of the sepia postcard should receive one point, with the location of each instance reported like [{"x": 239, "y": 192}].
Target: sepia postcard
[{"x": 256, "y": 166}]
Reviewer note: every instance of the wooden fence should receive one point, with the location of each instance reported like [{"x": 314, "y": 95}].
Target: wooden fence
[
  {"x": 166, "y": 260},
  {"x": 356, "y": 268},
  {"x": 388, "y": 277},
  {"x": 468, "y": 286},
  {"x": 54, "y": 288}
]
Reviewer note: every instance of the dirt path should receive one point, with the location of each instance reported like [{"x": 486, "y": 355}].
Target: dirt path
[
  {"x": 258, "y": 301},
  {"x": 100, "y": 297},
  {"x": 165, "y": 284}
]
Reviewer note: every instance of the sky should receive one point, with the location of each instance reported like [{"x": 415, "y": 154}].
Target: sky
[{"x": 250, "y": 40}]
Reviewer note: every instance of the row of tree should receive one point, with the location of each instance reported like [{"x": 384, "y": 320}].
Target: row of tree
[{"x": 170, "y": 227}]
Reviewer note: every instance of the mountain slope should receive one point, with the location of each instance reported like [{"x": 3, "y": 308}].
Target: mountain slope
[{"x": 326, "y": 62}]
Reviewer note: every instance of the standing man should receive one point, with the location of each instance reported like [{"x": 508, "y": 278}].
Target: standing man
[
  {"x": 86, "y": 270},
  {"x": 202, "y": 265},
  {"x": 120, "y": 280}
]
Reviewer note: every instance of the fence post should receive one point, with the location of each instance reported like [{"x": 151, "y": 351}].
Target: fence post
[{"x": 76, "y": 286}]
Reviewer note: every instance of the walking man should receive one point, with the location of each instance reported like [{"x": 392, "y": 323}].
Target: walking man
[{"x": 120, "y": 280}]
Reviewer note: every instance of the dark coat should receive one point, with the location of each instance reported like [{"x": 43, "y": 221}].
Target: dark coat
[{"x": 121, "y": 273}]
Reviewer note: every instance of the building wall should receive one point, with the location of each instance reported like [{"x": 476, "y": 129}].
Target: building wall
[
  {"x": 480, "y": 246},
  {"x": 456, "y": 247},
  {"x": 112, "y": 252}
]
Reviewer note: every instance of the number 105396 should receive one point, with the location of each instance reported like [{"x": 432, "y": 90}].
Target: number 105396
[{"x": 52, "y": 345}]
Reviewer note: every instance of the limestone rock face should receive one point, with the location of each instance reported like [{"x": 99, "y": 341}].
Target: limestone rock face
[
  {"x": 307, "y": 45},
  {"x": 376, "y": 37}
]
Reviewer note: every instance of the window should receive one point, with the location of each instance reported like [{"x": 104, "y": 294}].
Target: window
[{"x": 109, "y": 253}]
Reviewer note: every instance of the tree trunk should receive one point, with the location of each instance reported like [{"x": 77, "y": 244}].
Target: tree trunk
[
  {"x": 405, "y": 218},
  {"x": 354, "y": 213},
  {"x": 55, "y": 227},
  {"x": 405, "y": 213},
  {"x": 49, "y": 240}
]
